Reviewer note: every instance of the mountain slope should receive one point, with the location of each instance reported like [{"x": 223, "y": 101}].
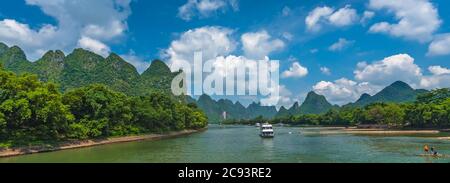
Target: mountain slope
[
  {"x": 157, "y": 77},
  {"x": 82, "y": 67},
  {"x": 397, "y": 92},
  {"x": 15, "y": 60},
  {"x": 50, "y": 66},
  {"x": 315, "y": 104}
]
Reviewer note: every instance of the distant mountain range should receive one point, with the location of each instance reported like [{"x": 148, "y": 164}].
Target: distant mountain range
[
  {"x": 215, "y": 109},
  {"x": 82, "y": 67}
]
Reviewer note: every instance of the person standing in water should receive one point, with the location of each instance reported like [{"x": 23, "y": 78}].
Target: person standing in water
[
  {"x": 426, "y": 149},
  {"x": 433, "y": 151}
]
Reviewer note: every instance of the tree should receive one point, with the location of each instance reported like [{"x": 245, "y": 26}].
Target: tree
[
  {"x": 99, "y": 111},
  {"x": 30, "y": 109}
]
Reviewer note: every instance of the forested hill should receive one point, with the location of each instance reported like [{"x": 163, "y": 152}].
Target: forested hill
[
  {"x": 82, "y": 67},
  {"x": 397, "y": 92},
  {"x": 313, "y": 104}
]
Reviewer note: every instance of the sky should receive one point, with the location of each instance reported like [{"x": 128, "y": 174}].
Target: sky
[{"x": 340, "y": 49}]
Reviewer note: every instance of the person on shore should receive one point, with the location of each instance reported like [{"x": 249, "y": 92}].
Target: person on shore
[
  {"x": 433, "y": 151},
  {"x": 426, "y": 149}
]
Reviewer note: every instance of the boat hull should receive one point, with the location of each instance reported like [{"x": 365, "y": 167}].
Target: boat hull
[{"x": 266, "y": 136}]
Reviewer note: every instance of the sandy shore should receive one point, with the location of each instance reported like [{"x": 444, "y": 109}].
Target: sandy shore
[
  {"x": 443, "y": 138},
  {"x": 89, "y": 143},
  {"x": 372, "y": 132}
]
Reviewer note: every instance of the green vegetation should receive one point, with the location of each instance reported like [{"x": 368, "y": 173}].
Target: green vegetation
[
  {"x": 430, "y": 110},
  {"x": 32, "y": 111},
  {"x": 81, "y": 68}
]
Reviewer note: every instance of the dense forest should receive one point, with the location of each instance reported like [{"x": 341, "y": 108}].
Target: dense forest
[
  {"x": 429, "y": 110},
  {"x": 32, "y": 110}
]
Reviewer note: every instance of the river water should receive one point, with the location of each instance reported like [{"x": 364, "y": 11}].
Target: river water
[{"x": 242, "y": 144}]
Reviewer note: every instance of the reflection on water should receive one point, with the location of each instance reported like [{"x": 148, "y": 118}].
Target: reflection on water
[{"x": 243, "y": 144}]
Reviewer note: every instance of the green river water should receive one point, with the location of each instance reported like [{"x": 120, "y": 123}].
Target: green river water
[{"x": 225, "y": 144}]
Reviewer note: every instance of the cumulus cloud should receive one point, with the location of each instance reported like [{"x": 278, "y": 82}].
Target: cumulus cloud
[
  {"x": 32, "y": 41},
  {"x": 100, "y": 21},
  {"x": 295, "y": 71},
  {"x": 440, "y": 45},
  {"x": 438, "y": 70},
  {"x": 217, "y": 47},
  {"x": 435, "y": 81},
  {"x": 94, "y": 46},
  {"x": 341, "y": 44},
  {"x": 390, "y": 69},
  {"x": 344, "y": 90},
  {"x": 205, "y": 8},
  {"x": 417, "y": 19},
  {"x": 258, "y": 45},
  {"x": 328, "y": 16},
  {"x": 440, "y": 78},
  {"x": 367, "y": 16},
  {"x": 211, "y": 41}
]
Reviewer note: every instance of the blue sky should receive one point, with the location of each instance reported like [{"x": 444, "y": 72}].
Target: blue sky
[{"x": 340, "y": 49}]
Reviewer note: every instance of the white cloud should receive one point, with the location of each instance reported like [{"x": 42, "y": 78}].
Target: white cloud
[
  {"x": 440, "y": 45},
  {"x": 295, "y": 71},
  {"x": 32, "y": 41},
  {"x": 211, "y": 41},
  {"x": 367, "y": 15},
  {"x": 417, "y": 19},
  {"x": 435, "y": 81},
  {"x": 217, "y": 46},
  {"x": 133, "y": 59},
  {"x": 315, "y": 17},
  {"x": 344, "y": 90},
  {"x": 325, "y": 70},
  {"x": 205, "y": 8},
  {"x": 100, "y": 20},
  {"x": 344, "y": 16},
  {"x": 94, "y": 46},
  {"x": 326, "y": 15},
  {"x": 258, "y": 45},
  {"x": 390, "y": 69},
  {"x": 340, "y": 45},
  {"x": 438, "y": 70}
]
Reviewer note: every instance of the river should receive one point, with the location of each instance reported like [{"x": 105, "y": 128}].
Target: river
[{"x": 242, "y": 144}]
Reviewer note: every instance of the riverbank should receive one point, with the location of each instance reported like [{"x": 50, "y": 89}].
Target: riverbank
[
  {"x": 361, "y": 131},
  {"x": 89, "y": 143}
]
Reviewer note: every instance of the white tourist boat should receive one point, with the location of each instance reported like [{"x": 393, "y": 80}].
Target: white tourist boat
[
  {"x": 258, "y": 124},
  {"x": 266, "y": 131}
]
